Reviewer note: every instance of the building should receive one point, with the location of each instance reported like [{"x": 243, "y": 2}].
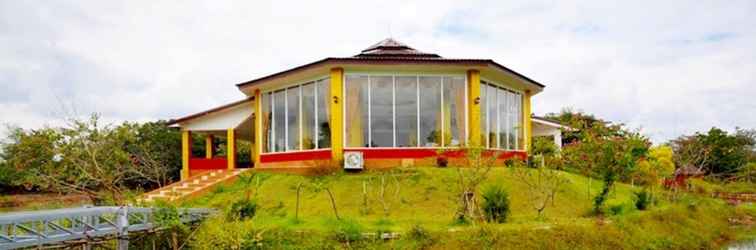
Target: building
[
  {"x": 545, "y": 127},
  {"x": 394, "y": 104}
]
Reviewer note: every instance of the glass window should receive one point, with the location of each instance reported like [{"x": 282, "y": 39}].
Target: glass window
[
  {"x": 483, "y": 116},
  {"x": 517, "y": 120},
  {"x": 430, "y": 111},
  {"x": 292, "y": 118},
  {"x": 454, "y": 111},
  {"x": 356, "y": 111},
  {"x": 493, "y": 116},
  {"x": 324, "y": 116},
  {"x": 406, "y": 111},
  {"x": 504, "y": 127},
  {"x": 279, "y": 121},
  {"x": 308, "y": 116},
  {"x": 382, "y": 111},
  {"x": 267, "y": 130},
  {"x": 510, "y": 126}
]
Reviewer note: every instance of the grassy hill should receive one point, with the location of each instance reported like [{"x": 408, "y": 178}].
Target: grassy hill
[{"x": 422, "y": 201}]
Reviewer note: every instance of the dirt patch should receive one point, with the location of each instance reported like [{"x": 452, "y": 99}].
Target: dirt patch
[{"x": 40, "y": 201}]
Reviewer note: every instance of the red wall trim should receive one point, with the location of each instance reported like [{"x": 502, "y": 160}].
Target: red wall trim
[
  {"x": 202, "y": 163},
  {"x": 322, "y": 154},
  {"x": 398, "y": 153}
]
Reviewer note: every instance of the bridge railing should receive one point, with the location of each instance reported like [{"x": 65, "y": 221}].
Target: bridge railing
[{"x": 37, "y": 228}]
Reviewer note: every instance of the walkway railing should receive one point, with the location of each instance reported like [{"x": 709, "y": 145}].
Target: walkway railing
[{"x": 37, "y": 228}]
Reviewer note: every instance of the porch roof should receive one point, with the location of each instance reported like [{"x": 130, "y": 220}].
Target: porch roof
[{"x": 237, "y": 115}]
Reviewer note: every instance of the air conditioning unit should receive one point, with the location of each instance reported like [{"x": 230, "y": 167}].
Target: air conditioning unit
[{"x": 353, "y": 160}]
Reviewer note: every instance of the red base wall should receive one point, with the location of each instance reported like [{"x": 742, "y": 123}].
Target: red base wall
[{"x": 375, "y": 158}]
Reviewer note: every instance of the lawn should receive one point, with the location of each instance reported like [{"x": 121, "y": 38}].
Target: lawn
[
  {"x": 421, "y": 203},
  {"x": 424, "y": 196}
]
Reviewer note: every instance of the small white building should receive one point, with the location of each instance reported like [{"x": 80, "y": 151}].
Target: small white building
[{"x": 547, "y": 127}]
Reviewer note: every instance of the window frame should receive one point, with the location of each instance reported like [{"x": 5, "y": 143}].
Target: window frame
[
  {"x": 285, "y": 88},
  {"x": 417, "y": 75},
  {"x": 521, "y": 120}
]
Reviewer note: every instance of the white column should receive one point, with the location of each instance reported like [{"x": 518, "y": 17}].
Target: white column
[{"x": 558, "y": 138}]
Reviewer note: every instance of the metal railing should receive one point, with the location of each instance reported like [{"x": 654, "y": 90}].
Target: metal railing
[{"x": 45, "y": 227}]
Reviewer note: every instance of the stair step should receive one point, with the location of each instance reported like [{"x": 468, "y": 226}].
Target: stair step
[{"x": 195, "y": 184}]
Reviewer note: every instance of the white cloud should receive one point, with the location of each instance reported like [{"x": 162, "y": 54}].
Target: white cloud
[{"x": 671, "y": 67}]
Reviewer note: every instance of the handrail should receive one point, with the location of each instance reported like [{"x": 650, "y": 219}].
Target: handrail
[{"x": 37, "y": 228}]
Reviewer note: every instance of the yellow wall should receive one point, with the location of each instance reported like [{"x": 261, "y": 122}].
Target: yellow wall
[
  {"x": 337, "y": 116},
  {"x": 528, "y": 125},
  {"x": 231, "y": 148},
  {"x": 186, "y": 152},
  {"x": 257, "y": 148},
  {"x": 473, "y": 99}
]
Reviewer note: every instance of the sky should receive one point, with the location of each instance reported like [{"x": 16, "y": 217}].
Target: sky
[{"x": 665, "y": 67}]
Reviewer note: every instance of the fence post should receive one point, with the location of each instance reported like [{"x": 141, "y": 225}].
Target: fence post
[{"x": 122, "y": 222}]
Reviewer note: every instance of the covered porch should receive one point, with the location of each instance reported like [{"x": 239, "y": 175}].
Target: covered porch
[
  {"x": 543, "y": 127},
  {"x": 218, "y": 133}
]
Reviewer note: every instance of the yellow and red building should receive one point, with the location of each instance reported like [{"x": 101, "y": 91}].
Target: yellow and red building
[{"x": 396, "y": 105}]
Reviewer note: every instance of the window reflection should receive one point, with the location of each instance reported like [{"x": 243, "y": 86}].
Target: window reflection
[
  {"x": 430, "y": 111},
  {"x": 324, "y": 115},
  {"x": 356, "y": 111},
  {"x": 279, "y": 121},
  {"x": 308, "y": 116},
  {"x": 381, "y": 111},
  {"x": 406, "y": 111}
]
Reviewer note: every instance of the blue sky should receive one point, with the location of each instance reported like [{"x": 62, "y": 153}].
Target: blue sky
[{"x": 666, "y": 67}]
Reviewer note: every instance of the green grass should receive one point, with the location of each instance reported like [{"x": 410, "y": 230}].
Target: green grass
[
  {"x": 425, "y": 196},
  {"x": 426, "y": 203}
]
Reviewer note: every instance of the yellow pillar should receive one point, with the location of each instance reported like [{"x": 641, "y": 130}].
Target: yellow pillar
[
  {"x": 259, "y": 117},
  {"x": 208, "y": 146},
  {"x": 337, "y": 116},
  {"x": 231, "y": 148},
  {"x": 527, "y": 124},
  {"x": 186, "y": 153},
  {"x": 473, "y": 99}
]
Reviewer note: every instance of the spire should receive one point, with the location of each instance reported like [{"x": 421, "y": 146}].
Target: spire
[{"x": 391, "y": 47}]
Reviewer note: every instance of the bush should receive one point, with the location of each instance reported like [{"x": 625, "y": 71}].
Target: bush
[
  {"x": 243, "y": 209},
  {"x": 495, "y": 203},
  {"x": 700, "y": 186},
  {"x": 346, "y": 230},
  {"x": 617, "y": 209},
  {"x": 442, "y": 162},
  {"x": 643, "y": 200}
]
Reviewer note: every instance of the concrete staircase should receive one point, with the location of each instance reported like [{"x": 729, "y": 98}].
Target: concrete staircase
[{"x": 193, "y": 186}]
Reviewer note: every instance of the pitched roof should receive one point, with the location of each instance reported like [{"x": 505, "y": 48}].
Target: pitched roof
[
  {"x": 209, "y": 111},
  {"x": 390, "y": 51},
  {"x": 391, "y": 47},
  {"x": 689, "y": 170}
]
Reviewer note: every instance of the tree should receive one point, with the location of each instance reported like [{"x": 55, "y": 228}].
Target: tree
[
  {"x": 605, "y": 150},
  {"x": 84, "y": 157},
  {"x": 617, "y": 157},
  {"x": 716, "y": 152},
  {"x": 471, "y": 172},
  {"x": 23, "y": 149},
  {"x": 541, "y": 183},
  {"x": 659, "y": 165}
]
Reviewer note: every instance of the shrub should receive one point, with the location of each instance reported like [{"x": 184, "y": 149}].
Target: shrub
[
  {"x": 418, "y": 238},
  {"x": 495, "y": 203},
  {"x": 242, "y": 209},
  {"x": 700, "y": 186},
  {"x": 346, "y": 230},
  {"x": 442, "y": 162},
  {"x": 418, "y": 232},
  {"x": 617, "y": 209},
  {"x": 643, "y": 199}
]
